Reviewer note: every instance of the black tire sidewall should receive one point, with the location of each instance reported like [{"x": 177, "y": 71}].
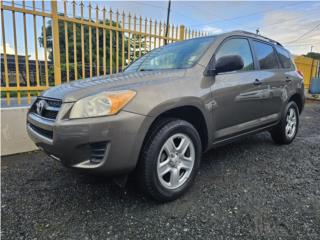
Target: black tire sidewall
[{"x": 171, "y": 128}]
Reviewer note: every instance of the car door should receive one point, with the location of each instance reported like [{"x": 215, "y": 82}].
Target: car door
[
  {"x": 271, "y": 76},
  {"x": 239, "y": 95},
  {"x": 288, "y": 74}
]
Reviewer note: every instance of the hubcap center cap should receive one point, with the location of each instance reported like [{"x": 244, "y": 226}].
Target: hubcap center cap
[{"x": 174, "y": 160}]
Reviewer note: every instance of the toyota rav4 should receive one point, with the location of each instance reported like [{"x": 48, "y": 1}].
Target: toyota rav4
[{"x": 168, "y": 107}]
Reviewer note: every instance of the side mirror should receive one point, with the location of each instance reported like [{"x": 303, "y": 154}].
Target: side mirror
[{"x": 228, "y": 64}]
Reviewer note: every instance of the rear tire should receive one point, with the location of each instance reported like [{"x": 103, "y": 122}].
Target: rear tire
[
  {"x": 169, "y": 160},
  {"x": 287, "y": 129}
]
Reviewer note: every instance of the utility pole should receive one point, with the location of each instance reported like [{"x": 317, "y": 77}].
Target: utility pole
[
  {"x": 168, "y": 18},
  {"x": 311, "y": 48}
]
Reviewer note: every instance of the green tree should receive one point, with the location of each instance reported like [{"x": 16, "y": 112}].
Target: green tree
[
  {"x": 62, "y": 43},
  {"x": 313, "y": 55}
]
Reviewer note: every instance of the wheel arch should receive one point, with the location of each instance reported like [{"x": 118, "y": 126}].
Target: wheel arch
[
  {"x": 190, "y": 113},
  {"x": 297, "y": 98}
]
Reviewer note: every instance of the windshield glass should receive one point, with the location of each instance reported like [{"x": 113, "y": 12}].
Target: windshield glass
[{"x": 173, "y": 56}]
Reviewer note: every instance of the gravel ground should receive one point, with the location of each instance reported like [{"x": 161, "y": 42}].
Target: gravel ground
[{"x": 250, "y": 189}]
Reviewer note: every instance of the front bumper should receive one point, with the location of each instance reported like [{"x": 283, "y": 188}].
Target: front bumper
[{"x": 73, "y": 142}]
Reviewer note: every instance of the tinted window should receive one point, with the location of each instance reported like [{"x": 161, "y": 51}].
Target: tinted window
[
  {"x": 237, "y": 47},
  {"x": 284, "y": 57},
  {"x": 265, "y": 55}
]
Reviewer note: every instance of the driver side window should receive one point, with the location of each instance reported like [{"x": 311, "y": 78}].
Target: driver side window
[{"x": 237, "y": 46}]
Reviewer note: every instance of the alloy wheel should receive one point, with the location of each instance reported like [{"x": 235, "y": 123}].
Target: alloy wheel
[
  {"x": 175, "y": 161},
  {"x": 291, "y": 123}
]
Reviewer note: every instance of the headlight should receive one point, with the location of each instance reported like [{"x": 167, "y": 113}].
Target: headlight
[{"x": 102, "y": 104}]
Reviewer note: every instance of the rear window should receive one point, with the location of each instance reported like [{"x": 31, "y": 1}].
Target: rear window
[
  {"x": 284, "y": 57},
  {"x": 265, "y": 55}
]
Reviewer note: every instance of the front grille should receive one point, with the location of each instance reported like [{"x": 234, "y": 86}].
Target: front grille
[
  {"x": 49, "y": 109},
  {"x": 49, "y": 114},
  {"x": 41, "y": 131},
  {"x": 98, "y": 151}
]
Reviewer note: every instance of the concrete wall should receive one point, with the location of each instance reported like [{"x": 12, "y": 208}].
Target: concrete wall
[{"x": 14, "y": 137}]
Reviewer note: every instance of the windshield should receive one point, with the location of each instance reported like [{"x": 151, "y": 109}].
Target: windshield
[{"x": 173, "y": 56}]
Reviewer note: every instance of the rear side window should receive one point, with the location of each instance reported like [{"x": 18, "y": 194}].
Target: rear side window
[
  {"x": 284, "y": 57},
  {"x": 237, "y": 46},
  {"x": 265, "y": 55}
]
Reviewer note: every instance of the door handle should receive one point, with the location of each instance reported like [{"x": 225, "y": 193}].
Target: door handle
[{"x": 256, "y": 82}]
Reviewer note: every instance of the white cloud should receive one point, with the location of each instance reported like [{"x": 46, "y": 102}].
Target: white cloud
[
  {"x": 287, "y": 27},
  {"x": 9, "y": 49},
  {"x": 211, "y": 30}
]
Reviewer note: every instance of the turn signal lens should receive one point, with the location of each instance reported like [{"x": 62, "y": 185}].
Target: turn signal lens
[{"x": 119, "y": 100}]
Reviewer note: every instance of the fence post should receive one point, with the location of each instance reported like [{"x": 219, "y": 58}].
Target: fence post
[
  {"x": 56, "y": 46},
  {"x": 182, "y": 32}
]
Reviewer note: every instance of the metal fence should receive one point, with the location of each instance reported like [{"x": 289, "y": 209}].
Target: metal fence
[{"x": 79, "y": 41}]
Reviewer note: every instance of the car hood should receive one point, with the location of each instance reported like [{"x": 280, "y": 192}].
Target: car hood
[{"x": 73, "y": 91}]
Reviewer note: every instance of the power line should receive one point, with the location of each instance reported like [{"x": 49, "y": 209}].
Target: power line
[
  {"x": 201, "y": 10},
  {"x": 234, "y": 18},
  {"x": 304, "y": 34},
  {"x": 255, "y": 27},
  {"x": 161, "y": 7},
  {"x": 249, "y": 27},
  {"x": 287, "y": 20},
  {"x": 302, "y": 44}
]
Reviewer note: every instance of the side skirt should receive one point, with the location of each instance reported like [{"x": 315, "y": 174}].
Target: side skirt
[{"x": 229, "y": 139}]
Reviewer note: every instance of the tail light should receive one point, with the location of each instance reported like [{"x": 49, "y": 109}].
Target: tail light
[{"x": 300, "y": 73}]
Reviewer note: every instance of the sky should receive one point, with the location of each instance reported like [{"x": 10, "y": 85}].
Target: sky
[
  {"x": 295, "y": 24},
  {"x": 283, "y": 21}
]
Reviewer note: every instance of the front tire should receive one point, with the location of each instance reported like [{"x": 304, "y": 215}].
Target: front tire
[
  {"x": 287, "y": 129},
  {"x": 170, "y": 159}
]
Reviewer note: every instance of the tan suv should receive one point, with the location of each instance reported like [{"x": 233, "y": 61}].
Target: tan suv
[{"x": 157, "y": 117}]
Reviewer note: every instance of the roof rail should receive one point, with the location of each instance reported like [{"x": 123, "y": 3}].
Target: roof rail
[{"x": 260, "y": 36}]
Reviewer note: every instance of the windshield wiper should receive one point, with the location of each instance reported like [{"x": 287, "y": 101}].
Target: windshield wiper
[{"x": 145, "y": 70}]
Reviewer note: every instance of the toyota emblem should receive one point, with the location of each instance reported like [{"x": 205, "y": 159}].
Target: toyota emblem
[{"x": 40, "y": 106}]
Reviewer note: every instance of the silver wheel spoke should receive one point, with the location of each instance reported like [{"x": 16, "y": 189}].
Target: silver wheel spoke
[
  {"x": 183, "y": 146},
  {"x": 169, "y": 146},
  {"x": 186, "y": 163},
  {"x": 174, "y": 177},
  {"x": 164, "y": 167},
  {"x": 287, "y": 128},
  {"x": 291, "y": 113},
  {"x": 288, "y": 118}
]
